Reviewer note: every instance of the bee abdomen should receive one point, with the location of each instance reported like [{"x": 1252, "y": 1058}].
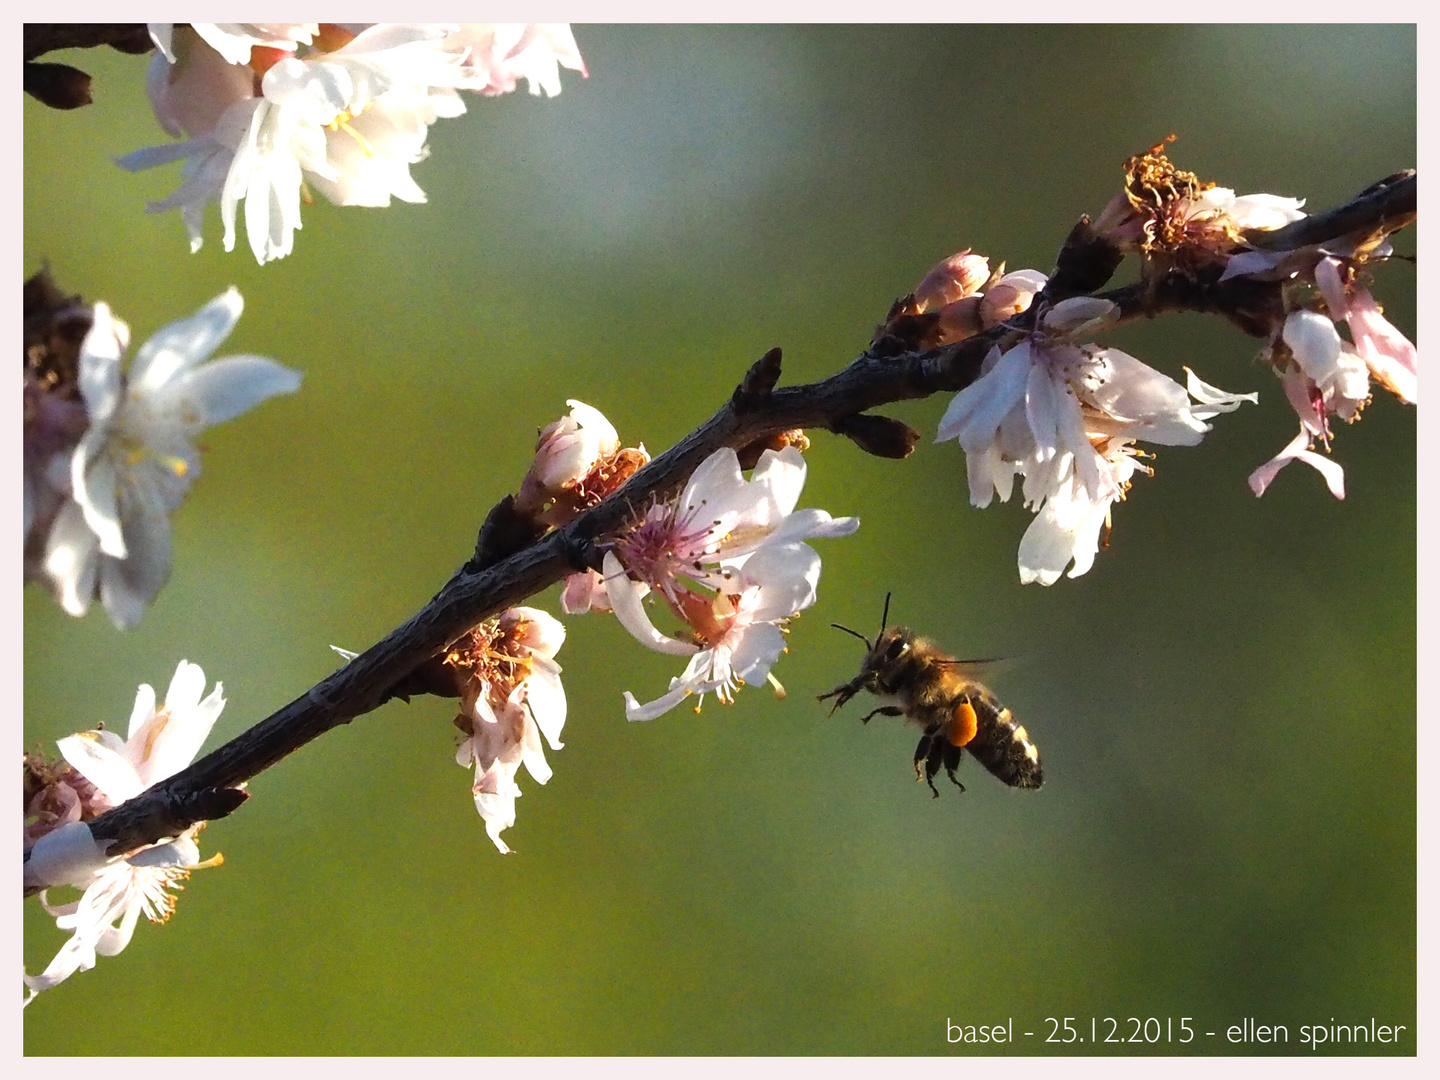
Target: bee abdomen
[{"x": 1003, "y": 746}]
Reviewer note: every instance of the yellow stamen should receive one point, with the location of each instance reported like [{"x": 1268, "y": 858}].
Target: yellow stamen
[{"x": 342, "y": 123}]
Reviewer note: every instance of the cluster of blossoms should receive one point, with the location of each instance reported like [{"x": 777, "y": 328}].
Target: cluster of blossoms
[
  {"x": 100, "y": 771},
  {"x": 109, "y": 452},
  {"x": 1323, "y": 375},
  {"x": 727, "y": 557},
  {"x": 269, "y": 108},
  {"x": 1178, "y": 222},
  {"x": 1065, "y": 415}
]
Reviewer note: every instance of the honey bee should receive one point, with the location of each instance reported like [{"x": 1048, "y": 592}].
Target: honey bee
[{"x": 931, "y": 690}]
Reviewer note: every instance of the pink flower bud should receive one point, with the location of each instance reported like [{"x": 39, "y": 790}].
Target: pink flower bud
[{"x": 954, "y": 279}]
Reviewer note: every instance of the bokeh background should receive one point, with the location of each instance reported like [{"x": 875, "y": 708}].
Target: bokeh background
[{"x": 1225, "y": 704}]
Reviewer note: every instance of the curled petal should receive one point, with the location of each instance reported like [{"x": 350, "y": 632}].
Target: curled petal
[
  {"x": 1298, "y": 449},
  {"x": 625, "y": 598}
]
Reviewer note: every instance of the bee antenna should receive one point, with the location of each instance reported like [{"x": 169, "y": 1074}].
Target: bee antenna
[
  {"x": 885, "y": 615},
  {"x": 853, "y": 633}
]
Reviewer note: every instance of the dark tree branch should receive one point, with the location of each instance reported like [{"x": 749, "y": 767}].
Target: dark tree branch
[
  {"x": 1383, "y": 207},
  {"x": 64, "y": 87},
  {"x": 510, "y": 564},
  {"x": 41, "y": 38}
]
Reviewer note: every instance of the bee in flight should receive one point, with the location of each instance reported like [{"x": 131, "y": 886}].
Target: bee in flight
[{"x": 916, "y": 680}]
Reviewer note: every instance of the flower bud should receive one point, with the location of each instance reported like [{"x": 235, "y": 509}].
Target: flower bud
[
  {"x": 954, "y": 279},
  {"x": 960, "y": 320},
  {"x": 569, "y": 448},
  {"x": 1079, "y": 311},
  {"x": 1010, "y": 296}
]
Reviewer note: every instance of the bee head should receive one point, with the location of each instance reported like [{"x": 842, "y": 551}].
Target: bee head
[
  {"x": 883, "y": 658},
  {"x": 887, "y": 658}
]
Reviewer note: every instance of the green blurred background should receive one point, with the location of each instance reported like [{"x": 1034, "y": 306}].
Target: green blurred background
[{"x": 1224, "y": 704}]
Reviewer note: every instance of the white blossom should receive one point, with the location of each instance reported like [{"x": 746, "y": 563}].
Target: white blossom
[
  {"x": 137, "y": 459},
  {"x": 233, "y": 41},
  {"x": 728, "y": 559},
  {"x": 499, "y": 54},
  {"x": 347, "y": 118},
  {"x": 1064, "y": 417},
  {"x": 159, "y": 743}
]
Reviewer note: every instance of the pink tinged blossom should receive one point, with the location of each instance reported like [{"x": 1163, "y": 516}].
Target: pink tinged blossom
[
  {"x": 742, "y": 637},
  {"x": 584, "y": 592},
  {"x": 500, "y": 54},
  {"x": 137, "y": 460},
  {"x": 728, "y": 559},
  {"x": 159, "y": 743},
  {"x": 720, "y": 516},
  {"x": 512, "y": 699},
  {"x": 1387, "y": 352},
  {"x": 1298, "y": 449},
  {"x": 1336, "y": 370},
  {"x": 1010, "y": 296}
]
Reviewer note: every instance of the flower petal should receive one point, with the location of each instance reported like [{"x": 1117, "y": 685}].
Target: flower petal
[
  {"x": 184, "y": 343},
  {"x": 625, "y": 597},
  {"x": 223, "y": 389}
]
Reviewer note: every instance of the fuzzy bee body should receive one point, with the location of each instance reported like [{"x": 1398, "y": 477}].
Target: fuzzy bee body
[{"x": 930, "y": 689}]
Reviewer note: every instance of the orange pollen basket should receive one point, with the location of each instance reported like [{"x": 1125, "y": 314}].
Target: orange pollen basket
[{"x": 961, "y": 728}]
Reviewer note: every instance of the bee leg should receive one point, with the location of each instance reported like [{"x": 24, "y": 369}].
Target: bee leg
[
  {"x": 841, "y": 694},
  {"x": 932, "y": 764},
  {"x": 886, "y": 710},
  {"x": 952, "y": 761},
  {"x": 922, "y": 754}
]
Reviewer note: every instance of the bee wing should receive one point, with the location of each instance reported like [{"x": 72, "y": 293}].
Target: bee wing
[{"x": 986, "y": 666}]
